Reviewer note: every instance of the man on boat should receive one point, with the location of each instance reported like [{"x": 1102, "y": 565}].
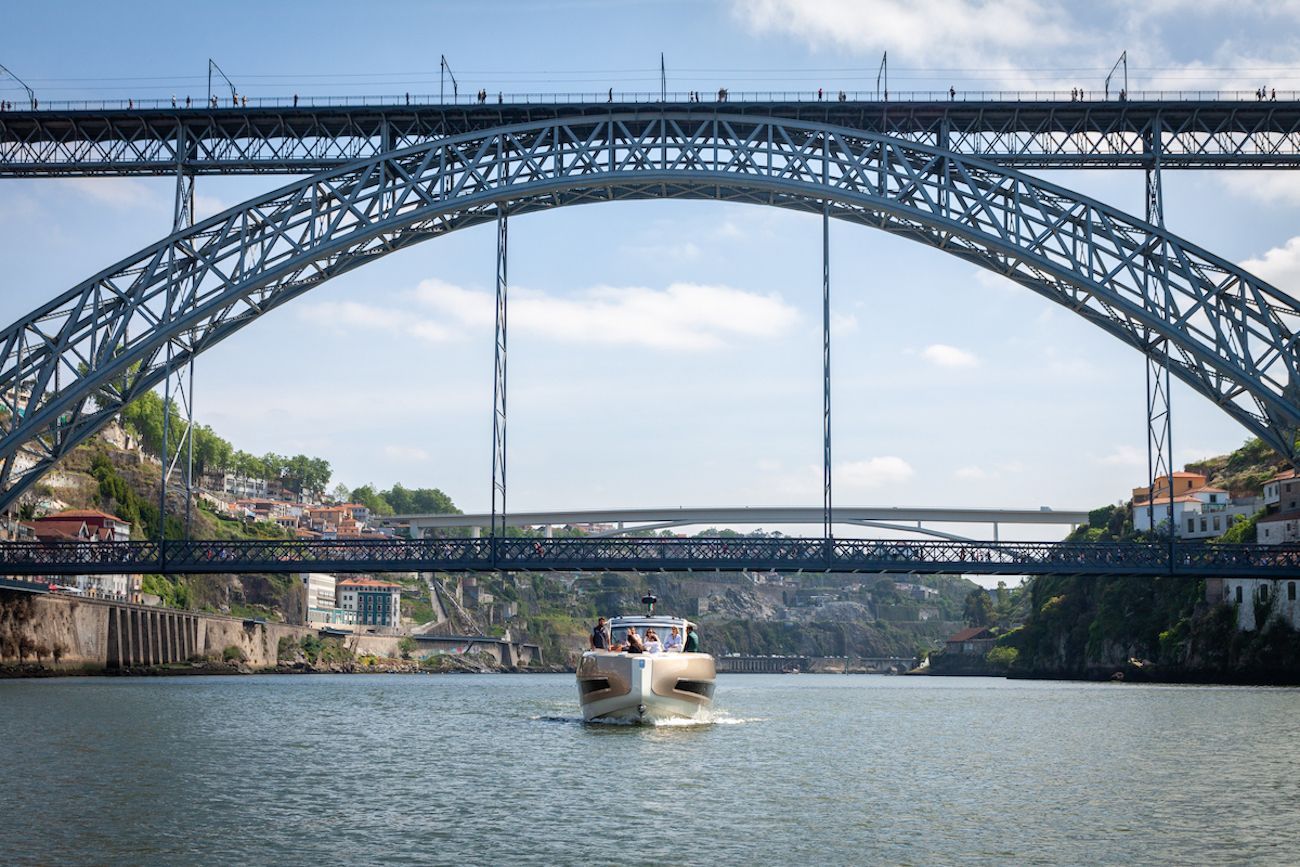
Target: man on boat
[
  {"x": 692, "y": 640},
  {"x": 600, "y": 635}
]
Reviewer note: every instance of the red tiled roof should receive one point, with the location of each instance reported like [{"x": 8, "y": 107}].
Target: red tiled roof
[
  {"x": 81, "y": 513},
  {"x": 54, "y": 528}
]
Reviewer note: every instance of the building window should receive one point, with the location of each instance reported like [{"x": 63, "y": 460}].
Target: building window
[
  {"x": 1238, "y": 594},
  {"x": 1203, "y": 527},
  {"x": 1217, "y": 519},
  {"x": 1290, "y": 591},
  {"x": 1191, "y": 525},
  {"x": 1263, "y": 592}
]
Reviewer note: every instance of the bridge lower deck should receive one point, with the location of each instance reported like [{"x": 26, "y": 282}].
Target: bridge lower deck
[{"x": 652, "y": 555}]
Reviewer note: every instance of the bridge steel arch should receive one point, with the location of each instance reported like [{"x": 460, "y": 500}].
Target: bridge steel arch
[{"x": 70, "y": 365}]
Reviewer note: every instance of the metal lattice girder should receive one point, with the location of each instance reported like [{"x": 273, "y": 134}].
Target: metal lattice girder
[
  {"x": 656, "y": 554},
  {"x": 1227, "y": 334},
  {"x": 1046, "y": 134}
]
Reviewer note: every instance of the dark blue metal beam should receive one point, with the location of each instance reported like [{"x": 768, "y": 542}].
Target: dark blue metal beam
[
  {"x": 652, "y": 555},
  {"x": 1195, "y": 133}
]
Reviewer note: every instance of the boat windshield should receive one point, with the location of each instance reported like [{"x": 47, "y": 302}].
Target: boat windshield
[{"x": 619, "y": 634}]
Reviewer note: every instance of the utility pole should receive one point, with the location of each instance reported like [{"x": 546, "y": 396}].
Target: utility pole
[
  {"x": 444, "y": 71},
  {"x": 212, "y": 65},
  {"x": 663, "y": 79},
  {"x": 1123, "y": 61},
  {"x": 31, "y": 94},
  {"x": 882, "y": 74}
]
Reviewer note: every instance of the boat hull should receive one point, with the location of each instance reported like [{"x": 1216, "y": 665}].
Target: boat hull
[{"x": 645, "y": 687}]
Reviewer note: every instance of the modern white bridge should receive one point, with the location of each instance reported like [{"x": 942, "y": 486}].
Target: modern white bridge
[{"x": 893, "y": 518}]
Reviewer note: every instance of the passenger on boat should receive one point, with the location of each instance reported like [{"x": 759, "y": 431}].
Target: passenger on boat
[
  {"x": 674, "y": 639},
  {"x": 600, "y": 635},
  {"x": 634, "y": 644},
  {"x": 692, "y": 640},
  {"x": 652, "y": 642}
]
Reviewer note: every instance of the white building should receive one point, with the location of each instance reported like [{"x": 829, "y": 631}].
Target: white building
[
  {"x": 1201, "y": 513},
  {"x": 1275, "y": 596},
  {"x": 1279, "y": 528},
  {"x": 243, "y": 486},
  {"x": 319, "y": 600}
]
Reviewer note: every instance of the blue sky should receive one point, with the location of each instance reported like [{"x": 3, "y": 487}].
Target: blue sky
[{"x": 669, "y": 352}]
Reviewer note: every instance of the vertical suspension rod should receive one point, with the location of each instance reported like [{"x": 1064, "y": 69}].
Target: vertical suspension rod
[
  {"x": 1160, "y": 451},
  {"x": 827, "y": 499},
  {"x": 499, "y": 388}
]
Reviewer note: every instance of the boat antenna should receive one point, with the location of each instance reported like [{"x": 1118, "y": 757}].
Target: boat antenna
[{"x": 649, "y": 601}]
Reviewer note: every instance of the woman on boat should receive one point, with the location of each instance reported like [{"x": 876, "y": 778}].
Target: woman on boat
[
  {"x": 652, "y": 643},
  {"x": 674, "y": 639},
  {"x": 634, "y": 644}
]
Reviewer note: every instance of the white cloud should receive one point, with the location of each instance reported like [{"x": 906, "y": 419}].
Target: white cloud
[
  {"x": 843, "y": 323},
  {"x": 1123, "y": 456},
  {"x": 1279, "y": 266},
  {"x": 344, "y": 316},
  {"x": 406, "y": 453},
  {"x": 684, "y": 316},
  {"x": 121, "y": 193},
  {"x": 873, "y": 472},
  {"x": 971, "y": 474},
  {"x": 207, "y": 206},
  {"x": 942, "y": 355},
  {"x": 943, "y": 31},
  {"x": 1269, "y": 188}
]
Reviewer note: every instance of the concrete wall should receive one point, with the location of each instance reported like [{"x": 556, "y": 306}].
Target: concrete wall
[
  {"x": 70, "y": 633},
  {"x": 58, "y": 632}
]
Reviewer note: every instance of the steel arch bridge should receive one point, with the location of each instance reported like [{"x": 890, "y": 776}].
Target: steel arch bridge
[{"x": 69, "y": 366}]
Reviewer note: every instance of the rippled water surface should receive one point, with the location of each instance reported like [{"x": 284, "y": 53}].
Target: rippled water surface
[{"x": 812, "y": 769}]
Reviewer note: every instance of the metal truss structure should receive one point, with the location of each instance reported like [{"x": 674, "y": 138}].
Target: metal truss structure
[
  {"x": 69, "y": 366},
  {"x": 288, "y": 139},
  {"x": 651, "y": 555}
]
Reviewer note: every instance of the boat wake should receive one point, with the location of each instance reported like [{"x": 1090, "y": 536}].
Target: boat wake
[{"x": 708, "y": 718}]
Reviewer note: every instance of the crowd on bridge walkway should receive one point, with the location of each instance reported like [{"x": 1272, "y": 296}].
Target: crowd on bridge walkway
[{"x": 481, "y": 97}]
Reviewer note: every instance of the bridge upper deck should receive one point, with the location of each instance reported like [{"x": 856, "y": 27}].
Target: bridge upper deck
[{"x": 277, "y": 136}]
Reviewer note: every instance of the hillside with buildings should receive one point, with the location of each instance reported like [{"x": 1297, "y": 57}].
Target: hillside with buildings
[
  {"x": 1218, "y": 629},
  {"x": 109, "y": 488}
]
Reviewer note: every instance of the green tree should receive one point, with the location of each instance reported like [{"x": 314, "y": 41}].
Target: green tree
[
  {"x": 978, "y": 610},
  {"x": 367, "y": 496}
]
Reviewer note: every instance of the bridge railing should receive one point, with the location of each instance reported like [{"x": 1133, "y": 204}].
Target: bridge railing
[
  {"x": 648, "y": 554},
  {"x": 202, "y": 102}
]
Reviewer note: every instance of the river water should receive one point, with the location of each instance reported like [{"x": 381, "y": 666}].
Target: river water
[{"x": 495, "y": 769}]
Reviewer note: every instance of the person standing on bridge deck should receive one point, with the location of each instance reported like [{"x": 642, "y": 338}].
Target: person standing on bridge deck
[
  {"x": 1272, "y": 95},
  {"x": 610, "y": 97},
  {"x": 173, "y": 100},
  {"x": 408, "y": 97},
  {"x": 295, "y": 100},
  {"x": 130, "y": 105},
  {"x": 952, "y": 94},
  {"x": 819, "y": 94}
]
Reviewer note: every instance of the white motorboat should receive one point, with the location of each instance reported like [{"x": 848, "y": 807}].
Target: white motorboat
[{"x": 616, "y": 685}]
